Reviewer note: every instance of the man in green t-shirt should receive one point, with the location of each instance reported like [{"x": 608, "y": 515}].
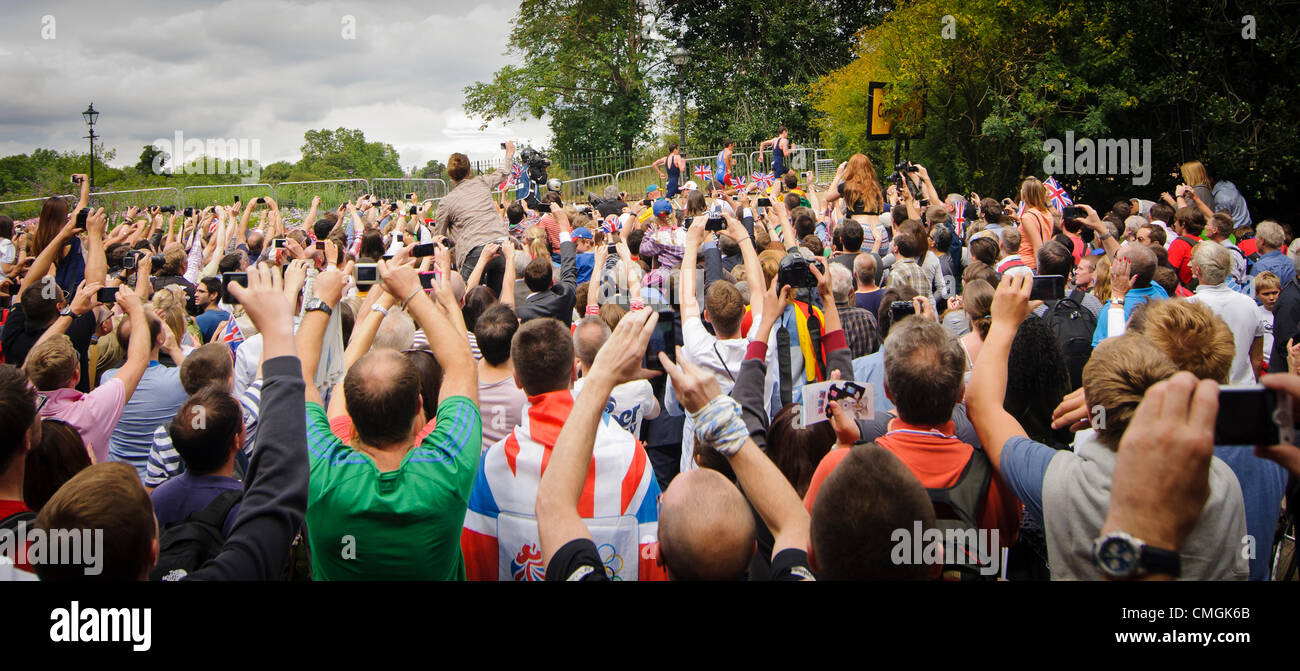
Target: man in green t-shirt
[{"x": 388, "y": 506}]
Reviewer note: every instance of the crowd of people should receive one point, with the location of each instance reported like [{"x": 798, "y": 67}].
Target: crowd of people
[{"x": 537, "y": 389}]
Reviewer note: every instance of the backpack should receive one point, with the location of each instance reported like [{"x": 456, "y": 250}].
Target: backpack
[
  {"x": 1073, "y": 325},
  {"x": 186, "y": 546},
  {"x": 955, "y": 510}
]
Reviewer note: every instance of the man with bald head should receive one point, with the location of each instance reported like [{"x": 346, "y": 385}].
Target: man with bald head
[
  {"x": 387, "y": 505},
  {"x": 631, "y": 401},
  {"x": 500, "y": 539},
  {"x": 706, "y": 529},
  {"x": 1130, "y": 286}
]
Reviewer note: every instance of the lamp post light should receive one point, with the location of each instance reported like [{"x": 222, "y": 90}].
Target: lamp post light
[
  {"x": 91, "y": 116},
  {"x": 679, "y": 58}
]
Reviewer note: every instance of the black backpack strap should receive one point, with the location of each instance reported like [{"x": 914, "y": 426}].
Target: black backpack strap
[
  {"x": 967, "y": 496},
  {"x": 11, "y": 523},
  {"x": 1077, "y": 296},
  {"x": 815, "y": 340},
  {"x": 218, "y": 509},
  {"x": 783, "y": 362}
]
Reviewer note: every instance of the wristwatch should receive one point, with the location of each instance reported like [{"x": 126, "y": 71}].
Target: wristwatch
[
  {"x": 1121, "y": 556},
  {"x": 318, "y": 304},
  {"x": 67, "y": 312}
]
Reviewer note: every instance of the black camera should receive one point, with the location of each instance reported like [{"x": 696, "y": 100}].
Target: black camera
[
  {"x": 715, "y": 222},
  {"x": 899, "y": 179},
  {"x": 536, "y": 162},
  {"x": 794, "y": 272}
]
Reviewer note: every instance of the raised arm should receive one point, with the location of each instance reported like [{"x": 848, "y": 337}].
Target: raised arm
[
  {"x": 443, "y": 326},
  {"x": 694, "y": 234},
  {"x": 41, "y": 266},
  {"x": 138, "y": 349},
  {"x": 275, "y": 485},
  {"x": 484, "y": 257},
  {"x": 764, "y": 485},
  {"x": 988, "y": 382},
  {"x": 84, "y": 199},
  {"x": 96, "y": 262},
  {"x": 508, "y": 278},
  {"x": 328, "y": 286},
  {"x": 1102, "y": 232}
]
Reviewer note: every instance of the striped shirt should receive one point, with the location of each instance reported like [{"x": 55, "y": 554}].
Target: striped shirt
[
  {"x": 422, "y": 342},
  {"x": 165, "y": 462}
]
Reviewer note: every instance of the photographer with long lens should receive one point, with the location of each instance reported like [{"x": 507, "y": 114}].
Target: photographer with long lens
[{"x": 468, "y": 216}]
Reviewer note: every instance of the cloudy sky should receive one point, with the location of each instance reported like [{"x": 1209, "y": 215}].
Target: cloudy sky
[{"x": 251, "y": 69}]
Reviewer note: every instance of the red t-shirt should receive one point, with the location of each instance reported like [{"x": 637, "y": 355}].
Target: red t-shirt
[
  {"x": 10, "y": 507},
  {"x": 936, "y": 457},
  {"x": 1180, "y": 257}
]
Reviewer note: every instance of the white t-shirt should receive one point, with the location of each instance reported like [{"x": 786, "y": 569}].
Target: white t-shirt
[
  {"x": 1243, "y": 319},
  {"x": 7, "y": 251},
  {"x": 722, "y": 358},
  {"x": 1266, "y": 321},
  {"x": 630, "y": 403}
]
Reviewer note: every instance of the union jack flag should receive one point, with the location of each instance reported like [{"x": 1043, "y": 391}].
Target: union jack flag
[
  {"x": 959, "y": 218},
  {"x": 1020, "y": 211},
  {"x": 1056, "y": 194},
  {"x": 739, "y": 181},
  {"x": 231, "y": 334},
  {"x": 610, "y": 224},
  {"x": 704, "y": 172},
  {"x": 516, "y": 172},
  {"x": 762, "y": 180}
]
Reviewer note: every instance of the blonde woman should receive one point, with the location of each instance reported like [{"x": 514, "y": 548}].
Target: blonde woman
[
  {"x": 1035, "y": 222},
  {"x": 1101, "y": 285},
  {"x": 1195, "y": 177},
  {"x": 169, "y": 304}
]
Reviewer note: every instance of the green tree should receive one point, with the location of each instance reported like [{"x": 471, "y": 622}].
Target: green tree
[
  {"x": 344, "y": 153},
  {"x": 277, "y": 172},
  {"x": 751, "y": 63},
  {"x": 432, "y": 170},
  {"x": 582, "y": 64},
  {"x": 1013, "y": 76},
  {"x": 145, "y": 166}
]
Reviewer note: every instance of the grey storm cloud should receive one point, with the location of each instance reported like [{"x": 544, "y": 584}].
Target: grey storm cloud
[{"x": 267, "y": 70}]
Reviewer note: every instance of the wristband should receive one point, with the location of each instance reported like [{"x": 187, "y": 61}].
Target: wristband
[
  {"x": 719, "y": 424},
  {"x": 379, "y": 308},
  {"x": 409, "y": 297},
  {"x": 593, "y": 310}
]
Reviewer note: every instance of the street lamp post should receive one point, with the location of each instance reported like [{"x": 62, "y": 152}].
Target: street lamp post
[
  {"x": 679, "y": 58},
  {"x": 91, "y": 116}
]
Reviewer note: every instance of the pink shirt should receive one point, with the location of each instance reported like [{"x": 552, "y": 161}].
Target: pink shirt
[{"x": 93, "y": 415}]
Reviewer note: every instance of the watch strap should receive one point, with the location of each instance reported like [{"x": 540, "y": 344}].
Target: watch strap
[{"x": 1159, "y": 560}]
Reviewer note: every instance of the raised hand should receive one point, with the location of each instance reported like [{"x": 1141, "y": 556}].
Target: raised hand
[
  {"x": 694, "y": 387},
  {"x": 1011, "y": 300}
]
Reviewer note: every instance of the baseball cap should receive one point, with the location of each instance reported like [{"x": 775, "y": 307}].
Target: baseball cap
[
  {"x": 690, "y": 186},
  {"x": 582, "y": 233},
  {"x": 662, "y": 208},
  {"x": 652, "y": 188}
]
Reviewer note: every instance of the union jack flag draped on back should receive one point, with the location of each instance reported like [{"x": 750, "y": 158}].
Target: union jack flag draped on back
[
  {"x": 619, "y": 501},
  {"x": 1056, "y": 194}
]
